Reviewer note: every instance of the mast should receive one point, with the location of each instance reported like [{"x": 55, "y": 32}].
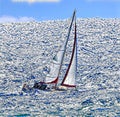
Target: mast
[
  {"x": 72, "y": 65},
  {"x": 53, "y": 76},
  {"x": 65, "y": 44}
]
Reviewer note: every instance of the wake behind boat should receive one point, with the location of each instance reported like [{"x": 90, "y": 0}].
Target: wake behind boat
[{"x": 52, "y": 78}]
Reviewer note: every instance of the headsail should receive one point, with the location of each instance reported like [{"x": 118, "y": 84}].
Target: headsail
[{"x": 56, "y": 64}]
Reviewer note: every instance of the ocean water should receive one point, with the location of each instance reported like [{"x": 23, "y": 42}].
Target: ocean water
[{"x": 26, "y": 50}]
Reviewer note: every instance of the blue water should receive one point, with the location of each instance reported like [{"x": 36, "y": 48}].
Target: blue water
[{"x": 25, "y": 53}]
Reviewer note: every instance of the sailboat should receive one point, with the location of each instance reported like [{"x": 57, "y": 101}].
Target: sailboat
[{"x": 55, "y": 67}]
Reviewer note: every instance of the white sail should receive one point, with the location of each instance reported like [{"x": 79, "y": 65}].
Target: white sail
[
  {"x": 55, "y": 66},
  {"x": 57, "y": 62},
  {"x": 70, "y": 76}
]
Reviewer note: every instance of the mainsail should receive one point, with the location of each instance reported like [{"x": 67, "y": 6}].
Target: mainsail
[
  {"x": 69, "y": 78},
  {"x": 55, "y": 67}
]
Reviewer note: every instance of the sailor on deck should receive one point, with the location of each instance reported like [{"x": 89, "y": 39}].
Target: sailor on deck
[{"x": 37, "y": 85}]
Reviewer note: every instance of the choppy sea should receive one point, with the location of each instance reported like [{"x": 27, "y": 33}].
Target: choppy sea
[{"x": 26, "y": 50}]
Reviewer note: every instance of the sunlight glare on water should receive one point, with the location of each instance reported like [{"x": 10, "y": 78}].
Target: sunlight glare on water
[{"x": 27, "y": 48}]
